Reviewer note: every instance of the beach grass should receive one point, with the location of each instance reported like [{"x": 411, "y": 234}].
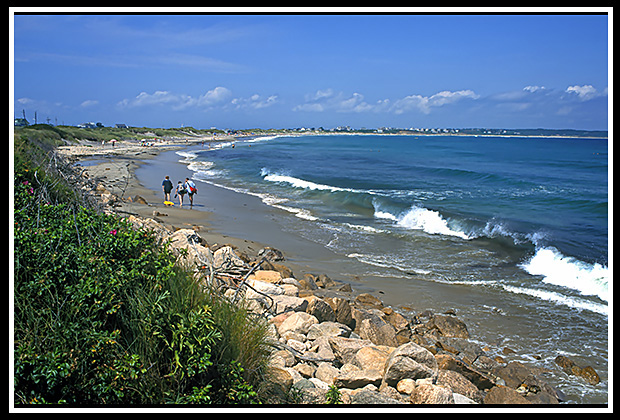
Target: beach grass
[{"x": 103, "y": 314}]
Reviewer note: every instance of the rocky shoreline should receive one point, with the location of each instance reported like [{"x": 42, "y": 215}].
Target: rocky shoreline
[{"x": 326, "y": 335}]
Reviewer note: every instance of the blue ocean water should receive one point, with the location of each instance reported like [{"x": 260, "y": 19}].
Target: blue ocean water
[
  {"x": 540, "y": 204},
  {"x": 522, "y": 217}
]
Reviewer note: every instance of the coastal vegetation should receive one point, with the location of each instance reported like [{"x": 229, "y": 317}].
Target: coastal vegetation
[{"x": 103, "y": 315}]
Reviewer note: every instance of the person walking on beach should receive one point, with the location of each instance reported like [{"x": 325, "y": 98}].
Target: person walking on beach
[
  {"x": 190, "y": 186},
  {"x": 180, "y": 191},
  {"x": 166, "y": 187}
]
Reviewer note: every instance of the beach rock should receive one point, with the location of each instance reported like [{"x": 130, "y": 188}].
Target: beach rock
[
  {"x": 448, "y": 326},
  {"x": 372, "y": 357},
  {"x": 324, "y": 281},
  {"x": 406, "y": 386},
  {"x": 342, "y": 311},
  {"x": 504, "y": 395},
  {"x": 140, "y": 200},
  {"x": 285, "y": 303},
  {"x": 185, "y": 243},
  {"x": 428, "y": 393},
  {"x": 272, "y": 254},
  {"x": 290, "y": 290},
  {"x": 328, "y": 329},
  {"x": 345, "y": 348},
  {"x": 479, "y": 379},
  {"x": 409, "y": 361},
  {"x": 462, "y": 399},
  {"x": 527, "y": 382},
  {"x": 298, "y": 322},
  {"x": 259, "y": 287},
  {"x": 358, "y": 378},
  {"x": 321, "y": 350},
  {"x": 368, "y": 300},
  {"x": 378, "y": 331},
  {"x": 571, "y": 368},
  {"x": 277, "y": 383},
  {"x": 459, "y": 384},
  {"x": 269, "y": 276},
  {"x": 284, "y": 271},
  {"x": 400, "y": 324},
  {"x": 326, "y": 372},
  {"x": 308, "y": 282},
  {"x": 320, "y": 309},
  {"x": 369, "y": 396},
  {"x": 226, "y": 260}
]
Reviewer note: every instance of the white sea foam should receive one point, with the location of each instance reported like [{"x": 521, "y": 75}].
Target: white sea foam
[
  {"x": 557, "y": 269},
  {"x": 419, "y": 218},
  {"x": 557, "y": 298}
]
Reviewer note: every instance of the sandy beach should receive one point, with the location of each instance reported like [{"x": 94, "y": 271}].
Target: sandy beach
[{"x": 219, "y": 216}]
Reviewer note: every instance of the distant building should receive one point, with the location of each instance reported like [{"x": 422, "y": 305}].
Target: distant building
[
  {"x": 120, "y": 126},
  {"x": 89, "y": 125}
]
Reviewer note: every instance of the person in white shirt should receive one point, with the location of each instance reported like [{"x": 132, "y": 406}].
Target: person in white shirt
[{"x": 190, "y": 186}]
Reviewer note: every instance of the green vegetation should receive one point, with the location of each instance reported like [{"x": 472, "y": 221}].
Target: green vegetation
[{"x": 103, "y": 315}]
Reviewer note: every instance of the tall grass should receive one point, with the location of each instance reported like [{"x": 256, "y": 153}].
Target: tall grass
[{"x": 104, "y": 315}]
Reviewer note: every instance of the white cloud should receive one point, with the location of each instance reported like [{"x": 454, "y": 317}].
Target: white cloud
[
  {"x": 255, "y": 102},
  {"x": 425, "y": 103},
  {"x": 533, "y": 89},
  {"x": 89, "y": 103},
  {"x": 584, "y": 92},
  {"x": 327, "y": 100},
  {"x": 210, "y": 98},
  {"x": 214, "y": 96}
]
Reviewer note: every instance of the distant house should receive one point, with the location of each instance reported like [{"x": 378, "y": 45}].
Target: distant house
[
  {"x": 20, "y": 122},
  {"x": 120, "y": 125},
  {"x": 87, "y": 125}
]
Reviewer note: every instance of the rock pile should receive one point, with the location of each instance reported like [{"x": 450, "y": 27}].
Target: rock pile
[{"x": 325, "y": 336}]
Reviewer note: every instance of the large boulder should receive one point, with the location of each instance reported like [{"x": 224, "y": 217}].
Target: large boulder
[
  {"x": 459, "y": 384},
  {"x": 372, "y": 357},
  {"x": 320, "y": 309},
  {"x": 298, "y": 322},
  {"x": 378, "y": 331},
  {"x": 345, "y": 348},
  {"x": 448, "y": 326},
  {"x": 449, "y": 362},
  {"x": 284, "y": 303},
  {"x": 328, "y": 329},
  {"x": 409, "y": 361},
  {"x": 342, "y": 311},
  {"x": 429, "y": 393}
]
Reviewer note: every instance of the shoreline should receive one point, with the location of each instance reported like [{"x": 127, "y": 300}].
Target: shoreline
[{"x": 116, "y": 168}]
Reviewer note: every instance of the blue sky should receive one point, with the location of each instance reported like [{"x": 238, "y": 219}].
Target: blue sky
[{"x": 281, "y": 71}]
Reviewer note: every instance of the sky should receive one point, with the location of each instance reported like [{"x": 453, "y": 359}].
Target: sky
[{"x": 240, "y": 71}]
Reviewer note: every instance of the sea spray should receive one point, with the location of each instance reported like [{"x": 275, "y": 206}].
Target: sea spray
[{"x": 560, "y": 270}]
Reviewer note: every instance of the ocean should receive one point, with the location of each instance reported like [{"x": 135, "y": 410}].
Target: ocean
[{"x": 512, "y": 231}]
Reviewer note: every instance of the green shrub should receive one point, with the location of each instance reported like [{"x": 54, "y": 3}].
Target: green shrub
[{"x": 103, "y": 315}]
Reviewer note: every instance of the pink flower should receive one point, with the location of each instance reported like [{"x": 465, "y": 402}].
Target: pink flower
[{"x": 113, "y": 232}]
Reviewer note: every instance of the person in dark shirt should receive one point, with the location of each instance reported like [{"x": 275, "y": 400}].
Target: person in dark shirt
[{"x": 166, "y": 187}]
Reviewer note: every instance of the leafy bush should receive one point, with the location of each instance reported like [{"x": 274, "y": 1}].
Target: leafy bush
[{"x": 104, "y": 316}]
